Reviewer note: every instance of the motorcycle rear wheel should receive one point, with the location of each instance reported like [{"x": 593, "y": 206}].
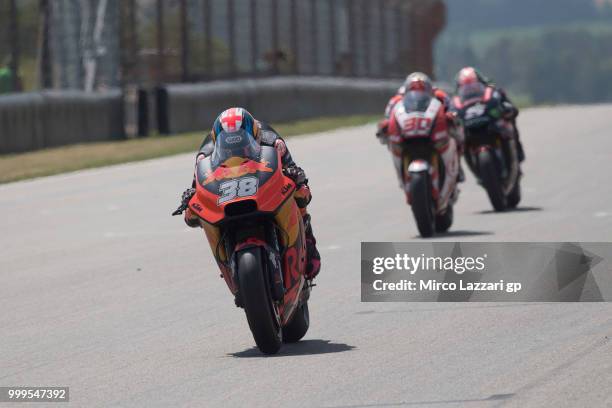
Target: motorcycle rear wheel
[
  {"x": 514, "y": 198},
  {"x": 444, "y": 221},
  {"x": 257, "y": 301},
  {"x": 298, "y": 326}
]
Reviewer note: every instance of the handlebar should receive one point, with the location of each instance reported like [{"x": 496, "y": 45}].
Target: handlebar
[
  {"x": 187, "y": 194},
  {"x": 180, "y": 210}
]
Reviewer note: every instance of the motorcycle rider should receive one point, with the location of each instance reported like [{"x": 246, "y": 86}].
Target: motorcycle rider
[
  {"x": 235, "y": 119},
  {"x": 419, "y": 81},
  {"x": 470, "y": 79},
  {"x": 415, "y": 77}
]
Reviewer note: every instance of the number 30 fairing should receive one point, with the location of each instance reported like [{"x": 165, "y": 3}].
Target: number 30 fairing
[{"x": 423, "y": 138}]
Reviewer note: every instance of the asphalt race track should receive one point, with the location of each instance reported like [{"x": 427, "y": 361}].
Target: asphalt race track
[{"x": 102, "y": 291}]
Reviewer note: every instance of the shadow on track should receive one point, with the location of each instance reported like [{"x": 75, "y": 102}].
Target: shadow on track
[
  {"x": 301, "y": 348},
  {"x": 454, "y": 233},
  {"x": 454, "y": 306},
  {"x": 462, "y": 233},
  {"x": 511, "y": 210},
  {"x": 496, "y": 397}
]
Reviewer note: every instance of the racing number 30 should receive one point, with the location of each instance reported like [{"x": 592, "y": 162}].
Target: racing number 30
[
  {"x": 417, "y": 125},
  {"x": 238, "y": 188}
]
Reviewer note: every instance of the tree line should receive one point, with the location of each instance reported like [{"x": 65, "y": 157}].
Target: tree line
[{"x": 557, "y": 66}]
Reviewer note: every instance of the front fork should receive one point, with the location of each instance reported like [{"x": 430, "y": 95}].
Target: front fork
[
  {"x": 267, "y": 240},
  {"x": 505, "y": 156},
  {"x": 410, "y": 167},
  {"x": 444, "y": 194}
]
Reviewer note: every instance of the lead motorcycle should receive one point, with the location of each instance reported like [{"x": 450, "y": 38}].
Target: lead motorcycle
[
  {"x": 255, "y": 230},
  {"x": 419, "y": 136},
  {"x": 491, "y": 150}
]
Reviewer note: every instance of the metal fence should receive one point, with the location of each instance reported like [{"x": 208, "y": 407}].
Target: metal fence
[{"x": 93, "y": 44}]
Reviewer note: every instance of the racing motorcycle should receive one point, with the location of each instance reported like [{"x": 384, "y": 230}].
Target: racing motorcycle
[
  {"x": 490, "y": 146},
  {"x": 429, "y": 164},
  {"x": 255, "y": 230}
]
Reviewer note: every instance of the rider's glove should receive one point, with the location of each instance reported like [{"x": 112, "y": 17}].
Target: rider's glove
[
  {"x": 296, "y": 174},
  {"x": 509, "y": 111},
  {"x": 187, "y": 195},
  {"x": 382, "y": 130}
]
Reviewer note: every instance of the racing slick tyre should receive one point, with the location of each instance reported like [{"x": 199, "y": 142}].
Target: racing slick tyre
[
  {"x": 489, "y": 175},
  {"x": 259, "y": 308},
  {"x": 514, "y": 198},
  {"x": 444, "y": 221},
  {"x": 422, "y": 204},
  {"x": 298, "y": 326}
]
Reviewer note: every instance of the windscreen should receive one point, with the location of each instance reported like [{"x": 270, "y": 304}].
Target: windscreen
[
  {"x": 417, "y": 101},
  {"x": 235, "y": 144},
  {"x": 471, "y": 91}
]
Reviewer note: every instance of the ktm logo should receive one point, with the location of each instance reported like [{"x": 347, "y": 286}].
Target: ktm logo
[
  {"x": 248, "y": 167},
  {"x": 286, "y": 188}
]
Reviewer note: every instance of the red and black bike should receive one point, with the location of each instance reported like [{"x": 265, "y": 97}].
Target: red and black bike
[
  {"x": 491, "y": 149},
  {"x": 254, "y": 227}
]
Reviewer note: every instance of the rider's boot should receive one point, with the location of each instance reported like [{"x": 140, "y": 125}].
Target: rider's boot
[
  {"x": 461, "y": 174},
  {"x": 313, "y": 258}
]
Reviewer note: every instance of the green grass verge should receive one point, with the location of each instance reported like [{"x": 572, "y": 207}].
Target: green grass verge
[{"x": 47, "y": 162}]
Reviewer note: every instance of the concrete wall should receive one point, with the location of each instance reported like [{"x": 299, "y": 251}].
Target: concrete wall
[
  {"x": 194, "y": 107},
  {"x": 32, "y": 121}
]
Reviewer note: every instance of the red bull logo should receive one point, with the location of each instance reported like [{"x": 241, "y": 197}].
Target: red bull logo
[{"x": 230, "y": 169}]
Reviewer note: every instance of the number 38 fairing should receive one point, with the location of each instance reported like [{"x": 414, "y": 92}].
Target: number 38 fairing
[
  {"x": 237, "y": 170},
  {"x": 254, "y": 227}
]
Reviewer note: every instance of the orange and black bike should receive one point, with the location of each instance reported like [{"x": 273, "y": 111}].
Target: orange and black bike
[{"x": 254, "y": 227}]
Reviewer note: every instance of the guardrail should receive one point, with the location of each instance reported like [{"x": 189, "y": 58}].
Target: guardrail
[
  {"x": 32, "y": 121},
  {"x": 194, "y": 107}
]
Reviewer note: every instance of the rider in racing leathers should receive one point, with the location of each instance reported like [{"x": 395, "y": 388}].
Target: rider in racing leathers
[
  {"x": 416, "y": 77},
  {"x": 234, "y": 119},
  {"x": 470, "y": 77},
  {"x": 421, "y": 82}
]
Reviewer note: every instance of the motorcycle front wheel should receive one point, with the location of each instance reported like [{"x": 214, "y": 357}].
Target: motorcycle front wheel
[
  {"x": 422, "y": 203},
  {"x": 259, "y": 307},
  {"x": 491, "y": 181}
]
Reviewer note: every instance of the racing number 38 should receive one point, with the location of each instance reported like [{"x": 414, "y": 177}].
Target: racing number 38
[{"x": 243, "y": 187}]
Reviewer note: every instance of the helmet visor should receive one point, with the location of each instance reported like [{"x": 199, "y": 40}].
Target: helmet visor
[
  {"x": 235, "y": 144},
  {"x": 471, "y": 91},
  {"x": 417, "y": 101}
]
